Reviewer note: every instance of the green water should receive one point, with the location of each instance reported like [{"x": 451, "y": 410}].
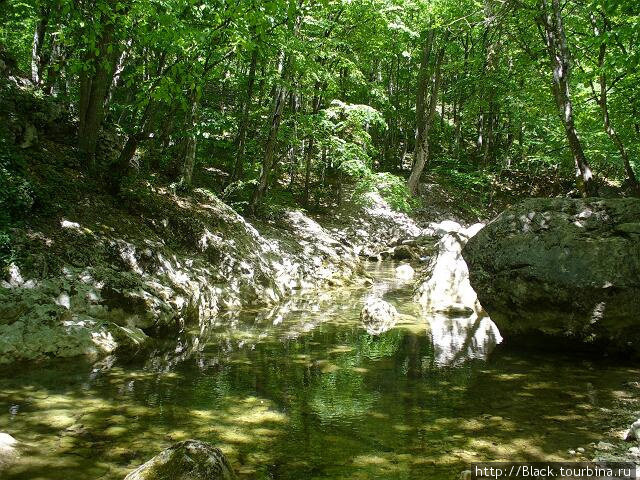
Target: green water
[{"x": 304, "y": 392}]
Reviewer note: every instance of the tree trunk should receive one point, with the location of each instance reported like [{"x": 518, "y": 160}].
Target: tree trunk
[
  {"x": 308, "y": 154},
  {"x": 37, "y": 59},
  {"x": 424, "y": 113},
  {"x": 270, "y": 147},
  {"x": 558, "y": 51},
  {"x": 189, "y": 159},
  {"x": 94, "y": 86},
  {"x": 55, "y": 66},
  {"x": 123, "y": 164},
  {"x": 244, "y": 120},
  {"x": 604, "y": 108}
]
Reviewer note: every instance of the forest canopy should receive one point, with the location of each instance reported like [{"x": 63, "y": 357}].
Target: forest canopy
[{"x": 298, "y": 99}]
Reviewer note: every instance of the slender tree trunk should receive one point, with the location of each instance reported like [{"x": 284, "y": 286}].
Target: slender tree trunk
[
  {"x": 244, "y": 120},
  {"x": 119, "y": 68},
  {"x": 604, "y": 108},
  {"x": 55, "y": 66},
  {"x": 37, "y": 59},
  {"x": 123, "y": 164},
  {"x": 424, "y": 113},
  {"x": 270, "y": 147},
  {"x": 308, "y": 155},
  {"x": 189, "y": 159},
  {"x": 558, "y": 51}
]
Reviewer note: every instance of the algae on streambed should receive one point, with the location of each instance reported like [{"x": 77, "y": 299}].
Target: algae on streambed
[{"x": 301, "y": 391}]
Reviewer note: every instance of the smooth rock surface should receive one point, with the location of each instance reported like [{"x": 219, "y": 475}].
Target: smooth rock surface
[
  {"x": 445, "y": 285},
  {"x": 405, "y": 271},
  {"x": 188, "y": 460},
  {"x": 566, "y": 268}
]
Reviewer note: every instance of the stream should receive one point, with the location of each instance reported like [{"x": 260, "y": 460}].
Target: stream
[{"x": 302, "y": 391}]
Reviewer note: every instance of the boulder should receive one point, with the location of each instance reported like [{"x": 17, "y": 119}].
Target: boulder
[
  {"x": 378, "y": 316},
  {"x": 633, "y": 434},
  {"x": 188, "y": 460},
  {"x": 403, "y": 252},
  {"x": 405, "y": 272},
  {"x": 445, "y": 286},
  {"x": 8, "y": 450},
  {"x": 565, "y": 268}
]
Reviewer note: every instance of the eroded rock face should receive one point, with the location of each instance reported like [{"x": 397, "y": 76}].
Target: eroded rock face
[
  {"x": 445, "y": 285},
  {"x": 200, "y": 258},
  {"x": 378, "y": 316},
  {"x": 569, "y": 268},
  {"x": 188, "y": 460}
]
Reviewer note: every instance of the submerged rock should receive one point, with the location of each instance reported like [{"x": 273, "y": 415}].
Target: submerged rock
[
  {"x": 188, "y": 460},
  {"x": 566, "y": 268},
  {"x": 378, "y": 316}
]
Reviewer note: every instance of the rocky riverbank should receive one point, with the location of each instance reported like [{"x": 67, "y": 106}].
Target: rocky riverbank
[{"x": 94, "y": 278}]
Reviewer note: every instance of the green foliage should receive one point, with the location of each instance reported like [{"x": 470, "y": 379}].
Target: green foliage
[
  {"x": 212, "y": 72},
  {"x": 16, "y": 193},
  {"x": 390, "y": 187}
]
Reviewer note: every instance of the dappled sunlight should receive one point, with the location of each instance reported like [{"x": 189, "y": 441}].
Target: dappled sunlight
[{"x": 303, "y": 391}]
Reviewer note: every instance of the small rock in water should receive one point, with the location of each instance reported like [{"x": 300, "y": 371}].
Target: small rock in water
[
  {"x": 378, "y": 316},
  {"x": 189, "y": 460},
  {"x": 465, "y": 475},
  {"x": 405, "y": 271},
  {"x": 580, "y": 450},
  {"x": 634, "y": 432}
]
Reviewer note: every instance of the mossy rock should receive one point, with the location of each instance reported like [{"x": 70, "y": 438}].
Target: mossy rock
[{"x": 188, "y": 460}]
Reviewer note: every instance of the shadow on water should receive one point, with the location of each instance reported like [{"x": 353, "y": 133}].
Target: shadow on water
[{"x": 303, "y": 392}]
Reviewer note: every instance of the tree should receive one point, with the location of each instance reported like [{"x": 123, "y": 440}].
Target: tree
[{"x": 556, "y": 43}]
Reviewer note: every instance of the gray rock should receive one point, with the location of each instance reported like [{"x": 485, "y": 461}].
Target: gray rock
[
  {"x": 633, "y": 434},
  {"x": 465, "y": 475},
  {"x": 568, "y": 268},
  {"x": 445, "y": 286},
  {"x": 405, "y": 271},
  {"x": 378, "y": 316},
  {"x": 188, "y": 460},
  {"x": 444, "y": 227},
  {"x": 8, "y": 450},
  {"x": 403, "y": 252}
]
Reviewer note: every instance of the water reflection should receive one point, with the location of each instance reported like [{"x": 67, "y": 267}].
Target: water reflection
[
  {"x": 458, "y": 339},
  {"x": 303, "y": 391}
]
